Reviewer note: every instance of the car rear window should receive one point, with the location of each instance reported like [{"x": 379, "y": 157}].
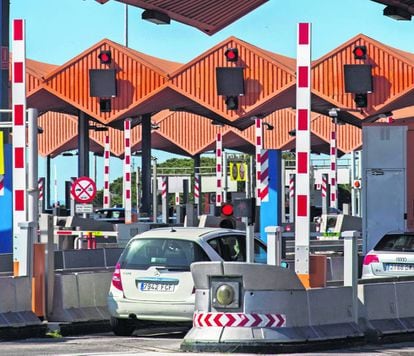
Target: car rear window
[
  {"x": 396, "y": 242},
  {"x": 170, "y": 253}
]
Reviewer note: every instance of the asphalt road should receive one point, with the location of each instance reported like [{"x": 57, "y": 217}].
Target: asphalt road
[{"x": 155, "y": 341}]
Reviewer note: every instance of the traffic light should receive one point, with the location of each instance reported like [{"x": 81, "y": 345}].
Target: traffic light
[
  {"x": 105, "y": 57},
  {"x": 232, "y": 102},
  {"x": 231, "y": 54},
  {"x": 361, "y": 100},
  {"x": 360, "y": 52},
  {"x": 227, "y": 219},
  {"x": 357, "y": 184}
]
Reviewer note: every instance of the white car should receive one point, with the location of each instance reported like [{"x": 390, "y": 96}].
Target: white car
[
  {"x": 392, "y": 256},
  {"x": 152, "y": 279}
]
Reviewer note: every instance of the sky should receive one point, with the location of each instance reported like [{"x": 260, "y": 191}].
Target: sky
[{"x": 58, "y": 30}]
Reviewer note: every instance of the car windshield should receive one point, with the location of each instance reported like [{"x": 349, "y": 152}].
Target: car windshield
[
  {"x": 396, "y": 242},
  {"x": 170, "y": 253}
]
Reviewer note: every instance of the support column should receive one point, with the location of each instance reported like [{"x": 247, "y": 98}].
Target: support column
[
  {"x": 146, "y": 164},
  {"x": 197, "y": 183},
  {"x": 83, "y": 145}
]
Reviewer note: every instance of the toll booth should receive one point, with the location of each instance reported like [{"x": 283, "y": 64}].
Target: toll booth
[{"x": 387, "y": 179}]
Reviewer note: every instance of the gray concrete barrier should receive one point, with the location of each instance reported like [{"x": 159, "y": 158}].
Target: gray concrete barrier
[
  {"x": 16, "y": 303},
  {"x": 80, "y": 297},
  {"x": 387, "y": 308}
]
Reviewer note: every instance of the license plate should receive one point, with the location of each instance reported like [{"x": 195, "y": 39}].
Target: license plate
[
  {"x": 156, "y": 287},
  {"x": 398, "y": 267}
]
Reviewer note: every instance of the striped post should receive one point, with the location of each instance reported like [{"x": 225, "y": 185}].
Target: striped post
[
  {"x": 259, "y": 146},
  {"x": 303, "y": 104},
  {"x": 127, "y": 171},
  {"x": 106, "y": 192},
  {"x": 219, "y": 169},
  {"x": 291, "y": 197},
  {"x": 325, "y": 193},
  {"x": 333, "y": 170},
  {"x": 197, "y": 188},
  {"x": 20, "y": 247},
  {"x": 264, "y": 176},
  {"x": 41, "y": 189},
  {"x": 164, "y": 190},
  {"x": 1, "y": 185}
]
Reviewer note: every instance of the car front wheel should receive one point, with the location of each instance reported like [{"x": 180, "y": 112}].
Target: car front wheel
[{"x": 122, "y": 327}]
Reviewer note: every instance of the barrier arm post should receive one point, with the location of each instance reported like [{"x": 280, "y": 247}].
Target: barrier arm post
[
  {"x": 351, "y": 266},
  {"x": 274, "y": 245}
]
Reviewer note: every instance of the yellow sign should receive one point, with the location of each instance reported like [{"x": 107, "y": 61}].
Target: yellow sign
[
  {"x": 1, "y": 153},
  {"x": 238, "y": 171}
]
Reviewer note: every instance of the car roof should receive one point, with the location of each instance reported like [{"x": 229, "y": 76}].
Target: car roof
[{"x": 186, "y": 233}]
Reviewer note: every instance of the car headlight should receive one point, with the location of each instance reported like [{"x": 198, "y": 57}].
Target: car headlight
[{"x": 225, "y": 294}]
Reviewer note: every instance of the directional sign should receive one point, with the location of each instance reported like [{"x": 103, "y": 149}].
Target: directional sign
[
  {"x": 239, "y": 320},
  {"x": 83, "y": 190}
]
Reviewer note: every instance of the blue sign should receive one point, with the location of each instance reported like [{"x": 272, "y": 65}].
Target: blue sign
[{"x": 270, "y": 211}]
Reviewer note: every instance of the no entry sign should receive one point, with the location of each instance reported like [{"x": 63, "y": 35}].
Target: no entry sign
[{"x": 83, "y": 190}]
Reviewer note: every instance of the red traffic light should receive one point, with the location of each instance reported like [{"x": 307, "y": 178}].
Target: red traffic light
[
  {"x": 105, "y": 57},
  {"x": 227, "y": 209},
  {"x": 232, "y": 54},
  {"x": 357, "y": 184},
  {"x": 360, "y": 52}
]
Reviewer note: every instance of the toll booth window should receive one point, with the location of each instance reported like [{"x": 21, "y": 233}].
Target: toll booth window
[{"x": 330, "y": 223}]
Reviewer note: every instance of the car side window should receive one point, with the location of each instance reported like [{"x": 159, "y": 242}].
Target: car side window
[{"x": 230, "y": 248}]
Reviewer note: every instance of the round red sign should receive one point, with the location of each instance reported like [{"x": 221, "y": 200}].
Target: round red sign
[{"x": 83, "y": 190}]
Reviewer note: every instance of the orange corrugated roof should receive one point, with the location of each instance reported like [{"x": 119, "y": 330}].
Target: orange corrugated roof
[
  {"x": 138, "y": 75},
  {"x": 393, "y": 75}
]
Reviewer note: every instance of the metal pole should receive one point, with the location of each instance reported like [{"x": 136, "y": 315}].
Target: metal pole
[
  {"x": 154, "y": 190},
  {"x": 249, "y": 241},
  {"x": 126, "y": 25},
  {"x": 83, "y": 145},
  {"x": 47, "y": 185},
  {"x": 33, "y": 192}
]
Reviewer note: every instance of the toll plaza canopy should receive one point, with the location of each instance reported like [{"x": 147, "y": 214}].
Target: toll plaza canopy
[
  {"x": 207, "y": 16},
  {"x": 182, "y": 94}
]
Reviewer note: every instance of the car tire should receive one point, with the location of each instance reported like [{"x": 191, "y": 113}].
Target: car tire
[{"x": 122, "y": 327}]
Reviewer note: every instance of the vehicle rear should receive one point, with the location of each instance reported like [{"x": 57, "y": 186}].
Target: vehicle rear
[
  {"x": 152, "y": 280},
  {"x": 392, "y": 256}
]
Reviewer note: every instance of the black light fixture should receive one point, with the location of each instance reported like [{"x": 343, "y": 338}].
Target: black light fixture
[
  {"x": 231, "y": 54},
  {"x": 98, "y": 128},
  {"x": 105, "y": 105},
  {"x": 268, "y": 126},
  {"x": 397, "y": 13},
  {"x": 157, "y": 17},
  {"x": 105, "y": 57},
  {"x": 232, "y": 102},
  {"x": 361, "y": 100},
  {"x": 360, "y": 52}
]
